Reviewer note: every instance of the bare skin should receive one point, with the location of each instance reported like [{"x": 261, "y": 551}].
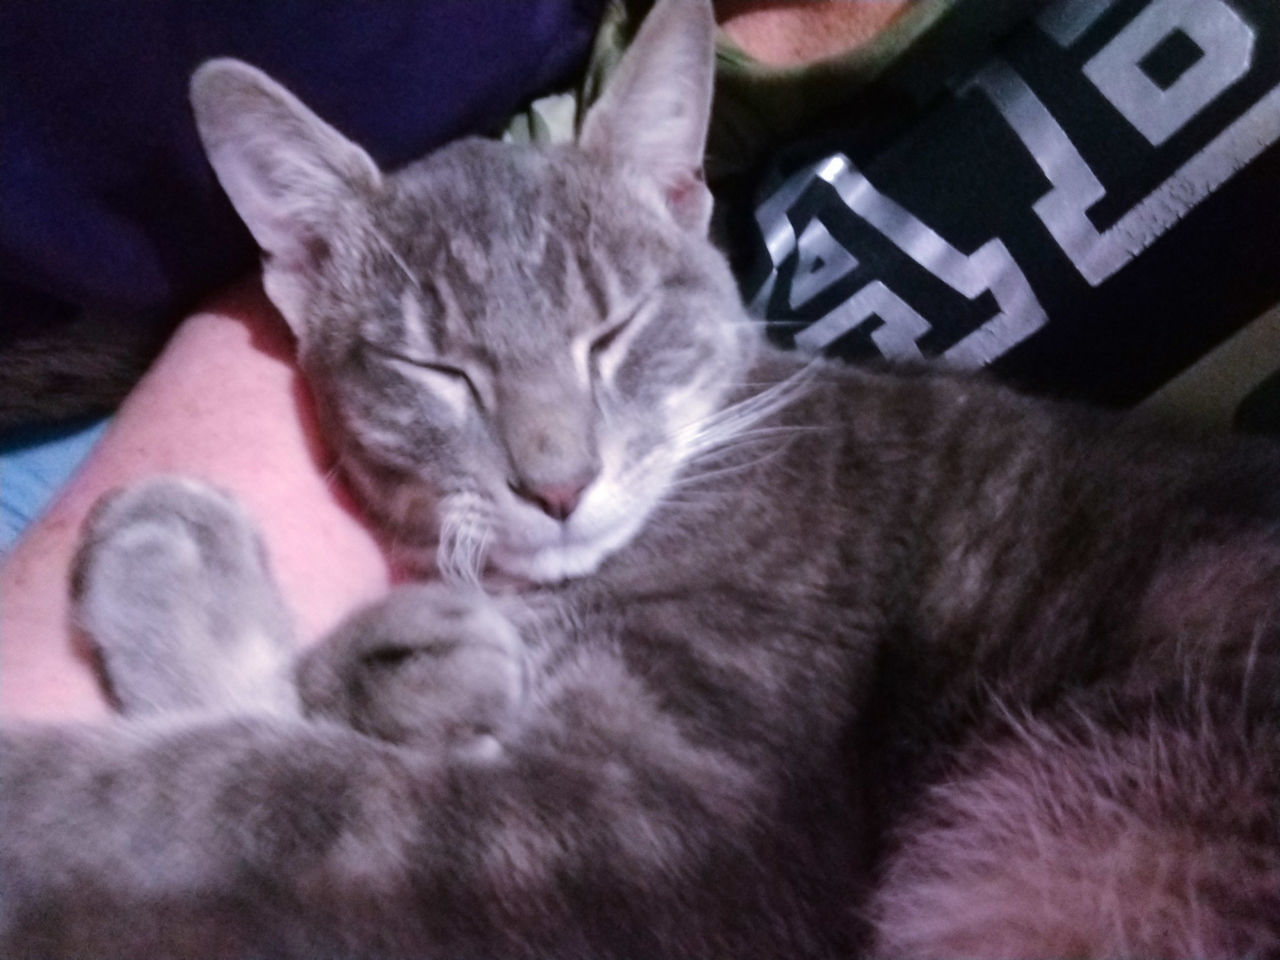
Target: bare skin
[
  {"x": 225, "y": 404},
  {"x": 798, "y": 31}
]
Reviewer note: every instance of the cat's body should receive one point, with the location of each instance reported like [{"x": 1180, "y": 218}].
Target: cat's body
[{"x": 909, "y": 664}]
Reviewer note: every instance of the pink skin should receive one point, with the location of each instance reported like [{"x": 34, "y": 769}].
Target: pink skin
[{"x": 224, "y": 404}]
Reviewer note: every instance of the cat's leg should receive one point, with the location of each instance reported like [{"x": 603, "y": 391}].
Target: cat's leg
[
  {"x": 600, "y": 829},
  {"x": 429, "y": 665},
  {"x": 172, "y": 587}
]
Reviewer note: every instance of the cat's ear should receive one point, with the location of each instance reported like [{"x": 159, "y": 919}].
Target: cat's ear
[
  {"x": 287, "y": 172},
  {"x": 653, "y": 114}
]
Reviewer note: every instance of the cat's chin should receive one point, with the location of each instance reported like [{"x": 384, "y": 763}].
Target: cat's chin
[
  {"x": 551, "y": 565},
  {"x": 566, "y": 559}
]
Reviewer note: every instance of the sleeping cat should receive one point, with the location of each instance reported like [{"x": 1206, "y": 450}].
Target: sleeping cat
[{"x": 809, "y": 661}]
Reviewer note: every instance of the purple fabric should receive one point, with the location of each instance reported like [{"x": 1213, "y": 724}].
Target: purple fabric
[{"x": 107, "y": 206}]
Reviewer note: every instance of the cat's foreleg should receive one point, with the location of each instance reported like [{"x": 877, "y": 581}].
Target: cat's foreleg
[
  {"x": 431, "y": 665},
  {"x": 173, "y": 589},
  {"x": 598, "y": 830},
  {"x": 574, "y": 819}
]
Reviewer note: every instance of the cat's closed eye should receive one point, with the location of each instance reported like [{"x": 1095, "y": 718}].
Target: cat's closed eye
[
  {"x": 456, "y": 384},
  {"x": 609, "y": 335},
  {"x": 608, "y": 344}
]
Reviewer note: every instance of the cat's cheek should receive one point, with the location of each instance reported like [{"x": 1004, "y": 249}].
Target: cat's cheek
[{"x": 616, "y": 535}]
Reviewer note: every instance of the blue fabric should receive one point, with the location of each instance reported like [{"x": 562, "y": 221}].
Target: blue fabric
[
  {"x": 34, "y": 464},
  {"x": 107, "y": 206}
]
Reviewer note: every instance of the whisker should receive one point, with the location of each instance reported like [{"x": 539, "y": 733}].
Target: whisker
[
  {"x": 735, "y": 418},
  {"x": 720, "y": 472},
  {"x": 690, "y": 505},
  {"x": 732, "y": 444},
  {"x": 395, "y": 256},
  {"x": 768, "y": 433},
  {"x": 466, "y": 534},
  {"x": 331, "y": 478}
]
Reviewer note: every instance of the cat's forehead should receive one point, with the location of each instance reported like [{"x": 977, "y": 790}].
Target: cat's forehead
[
  {"x": 495, "y": 185},
  {"x": 493, "y": 231},
  {"x": 511, "y": 198}
]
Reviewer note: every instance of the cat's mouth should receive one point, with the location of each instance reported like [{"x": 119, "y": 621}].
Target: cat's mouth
[
  {"x": 476, "y": 531},
  {"x": 544, "y": 550},
  {"x": 551, "y": 564},
  {"x": 477, "y": 538},
  {"x": 466, "y": 538}
]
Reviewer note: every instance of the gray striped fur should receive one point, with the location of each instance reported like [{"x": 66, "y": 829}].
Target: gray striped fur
[{"x": 843, "y": 663}]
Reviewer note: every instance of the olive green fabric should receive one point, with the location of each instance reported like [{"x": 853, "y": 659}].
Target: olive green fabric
[{"x": 758, "y": 108}]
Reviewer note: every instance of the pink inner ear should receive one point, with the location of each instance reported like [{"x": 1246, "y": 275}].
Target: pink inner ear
[{"x": 689, "y": 200}]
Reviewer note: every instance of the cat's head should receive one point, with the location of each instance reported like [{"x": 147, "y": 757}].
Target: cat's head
[{"x": 512, "y": 347}]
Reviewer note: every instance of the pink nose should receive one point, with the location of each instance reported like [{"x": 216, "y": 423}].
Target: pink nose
[{"x": 556, "y": 500}]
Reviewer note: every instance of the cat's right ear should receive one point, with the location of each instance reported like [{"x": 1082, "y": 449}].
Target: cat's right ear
[
  {"x": 655, "y": 109},
  {"x": 287, "y": 172}
]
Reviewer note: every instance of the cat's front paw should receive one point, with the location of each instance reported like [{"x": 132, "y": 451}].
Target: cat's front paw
[
  {"x": 431, "y": 665},
  {"x": 172, "y": 586}
]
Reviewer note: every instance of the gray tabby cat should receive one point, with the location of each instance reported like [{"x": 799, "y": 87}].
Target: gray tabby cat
[{"x": 813, "y": 662}]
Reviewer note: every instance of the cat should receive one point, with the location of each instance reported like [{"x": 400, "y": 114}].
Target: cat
[{"x": 810, "y": 661}]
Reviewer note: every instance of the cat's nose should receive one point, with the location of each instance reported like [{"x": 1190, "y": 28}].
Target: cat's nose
[{"x": 556, "y": 500}]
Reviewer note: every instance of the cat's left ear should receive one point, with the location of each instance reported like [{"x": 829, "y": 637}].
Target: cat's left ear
[{"x": 654, "y": 112}]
